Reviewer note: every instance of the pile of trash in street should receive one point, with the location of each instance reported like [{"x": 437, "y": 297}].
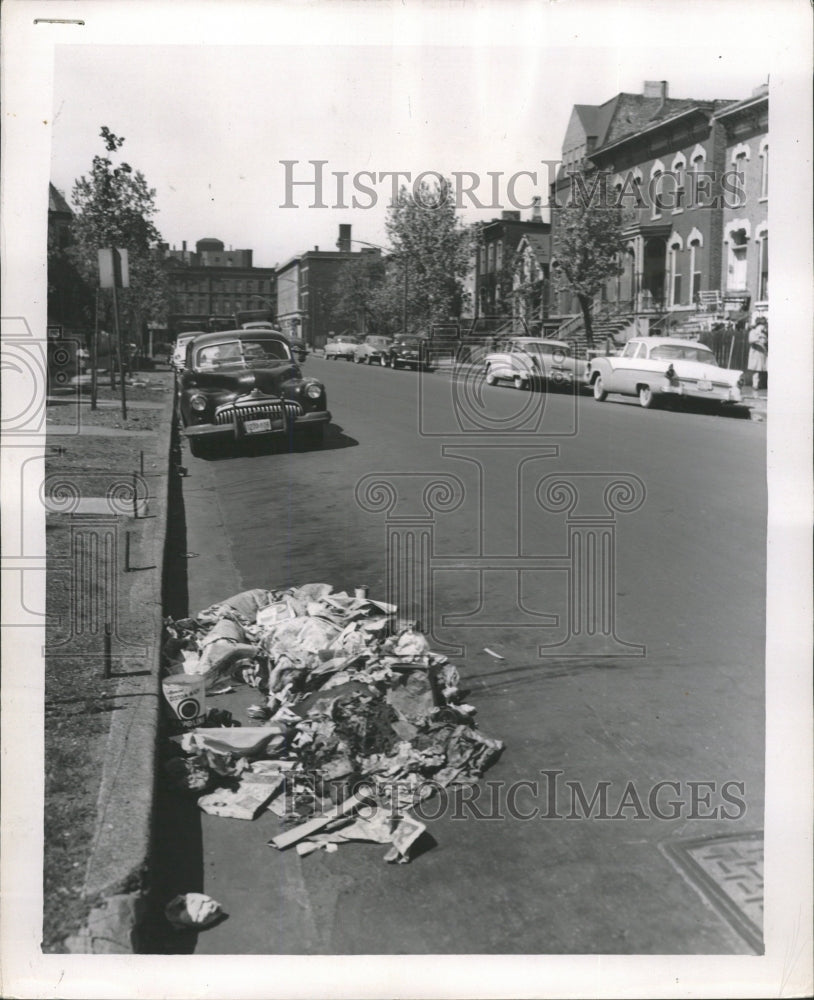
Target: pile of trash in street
[{"x": 357, "y": 720}]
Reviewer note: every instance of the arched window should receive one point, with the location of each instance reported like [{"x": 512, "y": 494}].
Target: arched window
[
  {"x": 764, "y": 168},
  {"x": 656, "y": 189},
  {"x": 695, "y": 242},
  {"x": 762, "y": 238},
  {"x": 737, "y": 242},
  {"x": 679, "y": 171},
  {"x": 740, "y": 157},
  {"x": 674, "y": 263},
  {"x": 698, "y": 160}
]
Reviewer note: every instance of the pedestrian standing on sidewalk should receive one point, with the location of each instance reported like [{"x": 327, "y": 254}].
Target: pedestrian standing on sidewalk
[{"x": 758, "y": 350}]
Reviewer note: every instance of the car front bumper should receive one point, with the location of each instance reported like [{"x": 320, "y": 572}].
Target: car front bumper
[{"x": 236, "y": 428}]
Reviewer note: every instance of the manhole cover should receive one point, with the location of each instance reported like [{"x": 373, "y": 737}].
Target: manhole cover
[{"x": 729, "y": 871}]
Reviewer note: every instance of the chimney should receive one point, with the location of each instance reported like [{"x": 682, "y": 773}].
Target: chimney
[
  {"x": 184, "y": 246},
  {"x": 344, "y": 241},
  {"x": 536, "y": 212},
  {"x": 656, "y": 88},
  {"x": 316, "y": 249},
  {"x": 510, "y": 216}
]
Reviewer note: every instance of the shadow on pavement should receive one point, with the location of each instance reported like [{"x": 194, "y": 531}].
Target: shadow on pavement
[
  {"x": 334, "y": 438},
  {"x": 177, "y": 846}
]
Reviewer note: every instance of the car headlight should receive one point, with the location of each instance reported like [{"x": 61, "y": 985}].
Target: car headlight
[
  {"x": 198, "y": 402},
  {"x": 313, "y": 390}
]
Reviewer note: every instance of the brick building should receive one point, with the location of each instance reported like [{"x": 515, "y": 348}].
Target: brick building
[
  {"x": 745, "y": 242},
  {"x": 213, "y": 281},
  {"x": 495, "y": 259},
  {"x": 691, "y": 239},
  {"x": 306, "y": 287}
]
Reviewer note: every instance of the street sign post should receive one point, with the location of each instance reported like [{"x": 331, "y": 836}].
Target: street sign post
[{"x": 114, "y": 273}]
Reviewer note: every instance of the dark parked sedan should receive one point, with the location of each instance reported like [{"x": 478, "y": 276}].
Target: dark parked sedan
[
  {"x": 408, "y": 351},
  {"x": 243, "y": 384}
]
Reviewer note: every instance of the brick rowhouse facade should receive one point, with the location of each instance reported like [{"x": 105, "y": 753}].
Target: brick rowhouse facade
[{"x": 672, "y": 162}]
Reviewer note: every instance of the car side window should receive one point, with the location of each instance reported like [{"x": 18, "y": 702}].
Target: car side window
[{"x": 629, "y": 351}]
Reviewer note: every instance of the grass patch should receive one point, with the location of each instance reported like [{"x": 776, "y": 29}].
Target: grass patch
[{"x": 79, "y": 702}]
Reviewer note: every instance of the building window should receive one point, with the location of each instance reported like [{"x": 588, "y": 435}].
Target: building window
[
  {"x": 499, "y": 257},
  {"x": 764, "y": 171},
  {"x": 737, "y": 261},
  {"x": 695, "y": 268},
  {"x": 679, "y": 178},
  {"x": 763, "y": 268},
  {"x": 656, "y": 189},
  {"x": 675, "y": 275},
  {"x": 739, "y": 162}
]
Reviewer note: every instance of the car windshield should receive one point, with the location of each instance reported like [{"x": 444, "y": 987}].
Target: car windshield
[
  {"x": 241, "y": 353},
  {"x": 681, "y": 352},
  {"x": 376, "y": 341}
]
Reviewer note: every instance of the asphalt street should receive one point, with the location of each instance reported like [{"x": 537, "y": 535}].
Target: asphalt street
[{"x": 672, "y": 691}]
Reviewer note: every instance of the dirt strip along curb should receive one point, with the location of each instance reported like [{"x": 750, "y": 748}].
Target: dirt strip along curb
[{"x": 118, "y": 869}]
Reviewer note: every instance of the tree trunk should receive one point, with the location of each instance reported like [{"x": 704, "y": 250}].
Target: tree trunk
[{"x": 586, "y": 304}]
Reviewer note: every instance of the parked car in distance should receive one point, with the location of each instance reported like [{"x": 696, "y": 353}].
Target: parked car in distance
[
  {"x": 241, "y": 384},
  {"x": 655, "y": 368},
  {"x": 341, "y": 347},
  {"x": 179, "y": 351},
  {"x": 411, "y": 352},
  {"x": 534, "y": 363},
  {"x": 373, "y": 350}
]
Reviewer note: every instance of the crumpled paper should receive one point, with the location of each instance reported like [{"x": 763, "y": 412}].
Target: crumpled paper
[{"x": 192, "y": 910}]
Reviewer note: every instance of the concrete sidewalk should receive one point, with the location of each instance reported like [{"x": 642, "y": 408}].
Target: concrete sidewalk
[{"x": 117, "y": 874}]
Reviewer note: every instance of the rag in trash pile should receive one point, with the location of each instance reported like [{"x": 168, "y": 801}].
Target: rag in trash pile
[{"x": 360, "y": 722}]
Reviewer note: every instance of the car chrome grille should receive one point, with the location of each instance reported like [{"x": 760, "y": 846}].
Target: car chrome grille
[{"x": 257, "y": 410}]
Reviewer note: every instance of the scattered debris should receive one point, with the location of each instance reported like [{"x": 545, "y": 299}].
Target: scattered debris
[
  {"x": 361, "y": 721},
  {"x": 491, "y": 652}
]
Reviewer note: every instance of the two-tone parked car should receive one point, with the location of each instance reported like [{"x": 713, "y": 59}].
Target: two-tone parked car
[
  {"x": 407, "y": 352},
  {"x": 659, "y": 368},
  {"x": 341, "y": 347},
  {"x": 534, "y": 363},
  {"x": 373, "y": 350},
  {"x": 179, "y": 351},
  {"x": 244, "y": 384}
]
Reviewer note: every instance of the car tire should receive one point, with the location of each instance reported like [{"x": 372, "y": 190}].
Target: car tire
[
  {"x": 646, "y": 397},
  {"x": 600, "y": 395},
  {"x": 519, "y": 383},
  {"x": 393, "y": 364},
  {"x": 370, "y": 359},
  {"x": 383, "y": 361},
  {"x": 490, "y": 378}
]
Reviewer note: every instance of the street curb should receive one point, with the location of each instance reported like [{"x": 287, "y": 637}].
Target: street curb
[{"x": 117, "y": 873}]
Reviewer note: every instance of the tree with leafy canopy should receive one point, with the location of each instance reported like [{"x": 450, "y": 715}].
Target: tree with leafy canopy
[
  {"x": 587, "y": 241},
  {"x": 432, "y": 244},
  {"x": 115, "y": 207},
  {"x": 352, "y": 300}
]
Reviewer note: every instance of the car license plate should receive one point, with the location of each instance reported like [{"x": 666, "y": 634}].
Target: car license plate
[
  {"x": 257, "y": 426},
  {"x": 704, "y": 386}
]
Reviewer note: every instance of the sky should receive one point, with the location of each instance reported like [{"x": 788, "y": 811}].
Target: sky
[{"x": 209, "y": 124}]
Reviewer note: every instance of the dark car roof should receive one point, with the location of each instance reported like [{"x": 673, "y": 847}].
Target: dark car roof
[{"x": 217, "y": 338}]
